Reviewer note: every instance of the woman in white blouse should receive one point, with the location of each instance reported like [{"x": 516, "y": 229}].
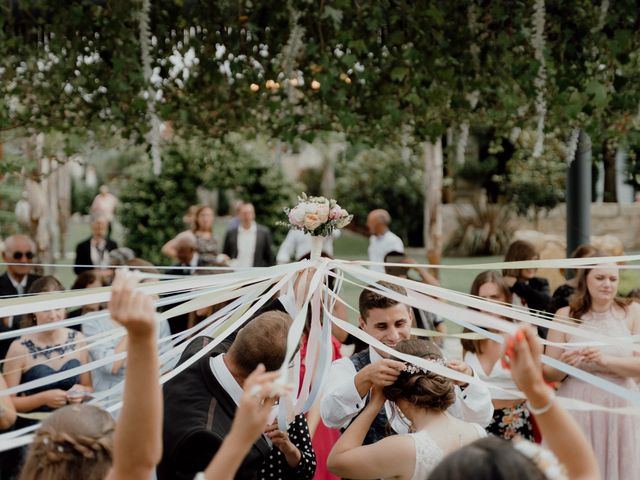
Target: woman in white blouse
[{"x": 511, "y": 417}]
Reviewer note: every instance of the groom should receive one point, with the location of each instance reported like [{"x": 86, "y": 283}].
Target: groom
[{"x": 352, "y": 378}]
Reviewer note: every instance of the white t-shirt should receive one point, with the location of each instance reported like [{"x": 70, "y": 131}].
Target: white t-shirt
[{"x": 381, "y": 245}]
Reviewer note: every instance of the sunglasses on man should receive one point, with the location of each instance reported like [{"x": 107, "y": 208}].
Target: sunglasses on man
[{"x": 19, "y": 255}]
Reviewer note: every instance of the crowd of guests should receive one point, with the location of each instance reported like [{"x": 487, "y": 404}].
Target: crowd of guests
[{"x": 377, "y": 417}]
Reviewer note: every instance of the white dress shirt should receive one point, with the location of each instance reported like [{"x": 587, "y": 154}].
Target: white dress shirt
[
  {"x": 246, "y": 245},
  {"x": 99, "y": 252},
  {"x": 381, "y": 245},
  {"x": 225, "y": 379},
  {"x": 297, "y": 244},
  {"x": 229, "y": 384},
  {"x": 21, "y": 288},
  {"x": 342, "y": 402}
]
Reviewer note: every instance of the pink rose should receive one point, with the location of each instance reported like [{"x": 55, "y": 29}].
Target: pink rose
[
  {"x": 311, "y": 221},
  {"x": 323, "y": 212},
  {"x": 296, "y": 216},
  {"x": 334, "y": 213}
]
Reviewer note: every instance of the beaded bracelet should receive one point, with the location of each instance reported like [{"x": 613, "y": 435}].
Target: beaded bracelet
[{"x": 545, "y": 409}]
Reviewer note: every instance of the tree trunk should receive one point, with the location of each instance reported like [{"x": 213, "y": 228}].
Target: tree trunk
[
  {"x": 433, "y": 203},
  {"x": 609, "y": 157}
]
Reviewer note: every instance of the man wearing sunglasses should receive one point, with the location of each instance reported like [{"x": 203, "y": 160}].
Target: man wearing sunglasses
[{"x": 18, "y": 255}]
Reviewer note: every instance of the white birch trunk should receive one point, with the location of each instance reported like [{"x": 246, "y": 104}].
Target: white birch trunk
[{"x": 433, "y": 164}]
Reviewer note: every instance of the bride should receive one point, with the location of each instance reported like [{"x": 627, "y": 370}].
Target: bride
[{"x": 421, "y": 399}]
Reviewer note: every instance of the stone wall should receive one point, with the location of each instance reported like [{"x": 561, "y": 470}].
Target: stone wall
[{"x": 619, "y": 220}]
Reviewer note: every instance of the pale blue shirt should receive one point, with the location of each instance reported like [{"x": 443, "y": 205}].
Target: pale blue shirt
[{"x": 102, "y": 377}]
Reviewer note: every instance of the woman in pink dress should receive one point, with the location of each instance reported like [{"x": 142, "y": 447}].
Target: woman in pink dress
[{"x": 615, "y": 438}]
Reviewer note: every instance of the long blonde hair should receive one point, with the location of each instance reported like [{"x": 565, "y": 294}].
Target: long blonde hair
[{"x": 73, "y": 443}]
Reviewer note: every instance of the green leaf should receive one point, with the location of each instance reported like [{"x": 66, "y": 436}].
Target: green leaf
[
  {"x": 399, "y": 73},
  {"x": 599, "y": 93}
]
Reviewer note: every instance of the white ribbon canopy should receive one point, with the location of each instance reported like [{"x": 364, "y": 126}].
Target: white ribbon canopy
[{"x": 246, "y": 291}]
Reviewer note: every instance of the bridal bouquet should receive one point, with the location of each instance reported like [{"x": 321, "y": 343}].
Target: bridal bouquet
[{"x": 317, "y": 216}]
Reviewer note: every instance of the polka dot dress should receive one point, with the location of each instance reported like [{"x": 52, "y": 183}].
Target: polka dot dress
[{"x": 276, "y": 466}]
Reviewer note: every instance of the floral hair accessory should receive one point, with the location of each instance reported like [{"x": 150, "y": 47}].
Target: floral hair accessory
[
  {"x": 544, "y": 459},
  {"x": 317, "y": 216},
  {"x": 413, "y": 369}
]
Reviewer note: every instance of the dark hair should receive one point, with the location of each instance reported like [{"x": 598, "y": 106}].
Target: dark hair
[
  {"x": 422, "y": 389},
  {"x": 580, "y": 301},
  {"x": 489, "y": 458},
  {"x": 488, "y": 276},
  {"x": 74, "y": 443},
  {"x": 634, "y": 294},
  {"x": 48, "y": 283},
  {"x": 86, "y": 278},
  {"x": 45, "y": 284},
  {"x": 262, "y": 340},
  {"x": 518, "y": 251},
  {"x": 395, "y": 257},
  {"x": 142, "y": 266},
  {"x": 370, "y": 298}
]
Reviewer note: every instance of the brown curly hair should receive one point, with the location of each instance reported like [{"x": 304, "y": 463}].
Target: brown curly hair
[
  {"x": 73, "y": 443},
  {"x": 423, "y": 389}
]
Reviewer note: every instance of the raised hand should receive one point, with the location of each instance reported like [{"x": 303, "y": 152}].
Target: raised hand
[
  {"x": 255, "y": 405},
  {"x": 522, "y": 355}
]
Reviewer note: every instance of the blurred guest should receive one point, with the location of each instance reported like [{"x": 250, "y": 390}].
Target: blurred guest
[
  {"x": 202, "y": 229},
  {"x": 88, "y": 279},
  {"x": 104, "y": 204},
  {"x": 188, "y": 261},
  {"x": 511, "y": 417},
  {"x": 596, "y": 307},
  {"x": 187, "y": 257},
  {"x": 527, "y": 289},
  {"x": 249, "y": 245},
  {"x": 109, "y": 375},
  {"x": 42, "y": 354},
  {"x": 297, "y": 244},
  {"x": 421, "y": 318},
  {"x": 562, "y": 294},
  {"x": 94, "y": 251},
  {"x": 382, "y": 240},
  {"x": 16, "y": 281}
]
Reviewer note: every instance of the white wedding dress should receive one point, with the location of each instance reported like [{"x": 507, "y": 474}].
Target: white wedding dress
[{"x": 429, "y": 454}]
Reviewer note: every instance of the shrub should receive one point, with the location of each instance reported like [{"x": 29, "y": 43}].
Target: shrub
[
  {"x": 382, "y": 179},
  {"x": 484, "y": 229},
  {"x": 152, "y": 207}
]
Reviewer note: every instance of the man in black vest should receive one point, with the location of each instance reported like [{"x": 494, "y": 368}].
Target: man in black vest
[
  {"x": 352, "y": 378},
  {"x": 199, "y": 403},
  {"x": 16, "y": 281}
]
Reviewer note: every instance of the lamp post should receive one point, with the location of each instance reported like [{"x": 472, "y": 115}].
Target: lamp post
[{"x": 579, "y": 196}]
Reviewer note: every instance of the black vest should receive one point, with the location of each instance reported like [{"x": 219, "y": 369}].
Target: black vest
[
  {"x": 198, "y": 414},
  {"x": 380, "y": 427}
]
